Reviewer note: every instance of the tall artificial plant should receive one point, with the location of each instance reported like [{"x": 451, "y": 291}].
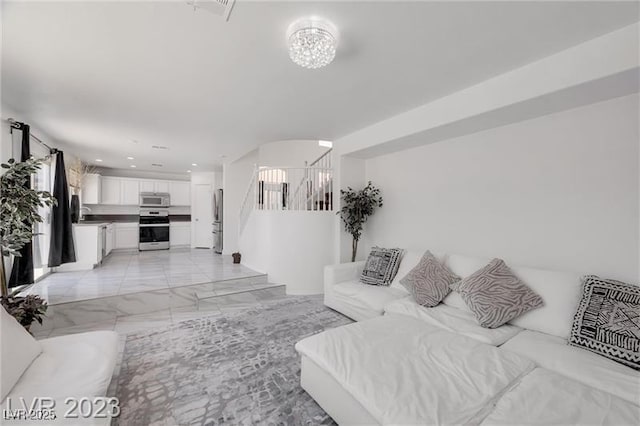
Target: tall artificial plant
[
  {"x": 356, "y": 208},
  {"x": 19, "y": 205}
]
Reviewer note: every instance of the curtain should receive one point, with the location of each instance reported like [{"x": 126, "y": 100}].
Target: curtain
[
  {"x": 61, "y": 249},
  {"x": 22, "y": 271}
]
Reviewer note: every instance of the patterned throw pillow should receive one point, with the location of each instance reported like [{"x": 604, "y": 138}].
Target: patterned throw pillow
[
  {"x": 607, "y": 321},
  {"x": 381, "y": 266},
  {"x": 495, "y": 295},
  {"x": 429, "y": 281}
]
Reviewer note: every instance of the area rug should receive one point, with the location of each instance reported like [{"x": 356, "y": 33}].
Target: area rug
[{"x": 234, "y": 369}]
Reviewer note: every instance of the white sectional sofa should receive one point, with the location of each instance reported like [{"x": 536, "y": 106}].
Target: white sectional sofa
[
  {"x": 75, "y": 366},
  {"x": 402, "y": 363}
]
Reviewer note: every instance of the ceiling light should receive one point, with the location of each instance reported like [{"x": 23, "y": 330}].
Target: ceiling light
[
  {"x": 98, "y": 160},
  {"x": 312, "y": 42},
  {"x": 326, "y": 144},
  {"x": 188, "y": 171},
  {"x": 194, "y": 164},
  {"x": 129, "y": 158},
  {"x": 133, "y": 165}
]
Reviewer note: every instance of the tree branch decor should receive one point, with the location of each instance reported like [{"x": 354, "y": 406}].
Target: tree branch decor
[{"x": 356, "y": 208}]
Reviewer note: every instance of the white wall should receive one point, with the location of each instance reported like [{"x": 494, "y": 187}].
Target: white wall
[
  {"x": 559, "y": 191},
  {"x": 236, "y": 177},
  {"x": 291, "y": 153},
  {"x": 291, "y": 246}
]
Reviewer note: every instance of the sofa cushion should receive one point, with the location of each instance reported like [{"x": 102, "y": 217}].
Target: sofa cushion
[
  {"x": 367, "y": 300},
  {"x": 560, "y": 292},
  {"x": 381, "y": 266},
  {"x": 452, "y": 319},
  {"x": 17, "y": 352},
  {"x": 428, "y": 282},
  {"x": 78, "y": 365},
  {"x": 462, "y": 266},
  {"x": 553, "y": 353},
  {"x": 495, "y": 295},
  {"x": 607, "y": 321}
]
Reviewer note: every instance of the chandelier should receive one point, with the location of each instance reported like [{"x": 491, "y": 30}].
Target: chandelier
[{"x": 312, "y": 42}]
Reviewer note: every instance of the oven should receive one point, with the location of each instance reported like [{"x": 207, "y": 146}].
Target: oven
[
  {"x": 154, "y": 229},
  {"x": 154, "y": 199}
]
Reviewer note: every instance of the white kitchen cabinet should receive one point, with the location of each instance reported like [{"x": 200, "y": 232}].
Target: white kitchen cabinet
[
  {"x": 130, "y": 192},
  {"x": 91, "y": 189},
  {"x": 180, "y": 234},
  {"x": 180, "y": 193},
  {"x": 126, "y": 235},
  {"x": 111, "y": 236},
  {"x": 147, "y": 186},
  {"x": 87, "y": 240},
  {"x": 111, "y": 190},
  {"x": 162, "y": 186}
]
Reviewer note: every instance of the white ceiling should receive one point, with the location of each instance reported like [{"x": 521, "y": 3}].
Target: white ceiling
[{"x": 100, "y": 75}]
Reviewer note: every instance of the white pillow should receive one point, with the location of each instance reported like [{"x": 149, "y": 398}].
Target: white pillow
[
  {"x": 18, "y": 351},
  {"x": 462, "y": 266},
  {"x": 561, "y": 293}
]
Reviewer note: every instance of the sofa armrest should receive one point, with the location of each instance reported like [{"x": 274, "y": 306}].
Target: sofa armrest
[{"x": 334, "y": 274}]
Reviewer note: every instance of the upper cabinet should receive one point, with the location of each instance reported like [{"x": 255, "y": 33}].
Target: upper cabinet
[
  {"x": 113, "y": 190},
  {"x": 180, "y": 193}
]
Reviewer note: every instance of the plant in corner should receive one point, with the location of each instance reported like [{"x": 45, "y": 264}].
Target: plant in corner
[
  {"x": 19, "y": 206},
  {"x": 356, "y": 208}
]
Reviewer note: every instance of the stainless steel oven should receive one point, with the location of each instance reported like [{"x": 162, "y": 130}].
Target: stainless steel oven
[
  {"x": 154, "y": 229},
  {"x": 155, "y": 199}
]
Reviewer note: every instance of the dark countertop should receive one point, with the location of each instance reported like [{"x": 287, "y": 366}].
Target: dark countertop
[{"x": 102, "y": 218}]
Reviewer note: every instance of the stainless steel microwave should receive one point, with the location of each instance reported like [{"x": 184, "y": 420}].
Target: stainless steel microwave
[{"x": 154, "y": 199}]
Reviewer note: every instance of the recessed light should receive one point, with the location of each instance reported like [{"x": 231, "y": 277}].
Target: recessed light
[
  {"x": 194, "y": 164},
  {"x": 129, "y": 158},
  {"x": 98, "y": 160},
  {"x": 188, "y": 171},
  {"x": 133, "y": 165},
  {"x": 326, "y": 144}
]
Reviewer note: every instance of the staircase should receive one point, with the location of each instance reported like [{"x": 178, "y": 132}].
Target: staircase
[{"x": 308, "y": 188}]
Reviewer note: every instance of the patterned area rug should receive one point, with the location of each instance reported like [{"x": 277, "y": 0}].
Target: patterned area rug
[{"x": 238, "y": 368}]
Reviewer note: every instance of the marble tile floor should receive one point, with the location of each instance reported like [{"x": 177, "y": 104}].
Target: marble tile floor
[
  {"x": 128, "y": 272},
  {"x": 125, "y": 324}
]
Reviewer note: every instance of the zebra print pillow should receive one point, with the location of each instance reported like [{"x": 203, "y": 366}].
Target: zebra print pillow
[
  {"x": 429, "y": 281},
  {"x": 495, "y": 295},
  {"x": 381, "y": 266},
  {"x": 607, "y": 321}
]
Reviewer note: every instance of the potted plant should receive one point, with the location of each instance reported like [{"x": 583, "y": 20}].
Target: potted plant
[
  {"x": 19, "y": 205},
  {"x": 356, "y": 208}
]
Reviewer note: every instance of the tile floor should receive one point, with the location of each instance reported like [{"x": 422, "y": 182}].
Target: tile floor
[{"x": 134, "y": 272}]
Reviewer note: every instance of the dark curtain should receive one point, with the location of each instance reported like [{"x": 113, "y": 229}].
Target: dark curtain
[
  {"x": 61, "y": 249},
  {"x": 22, "y": 271}
]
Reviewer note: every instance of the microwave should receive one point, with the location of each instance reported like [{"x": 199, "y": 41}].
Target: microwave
[{"x": 154, "y": 199}]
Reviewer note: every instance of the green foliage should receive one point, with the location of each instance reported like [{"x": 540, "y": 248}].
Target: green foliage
[
  {"x": 25, "y": 309},
  {"x": 19, "y": 205},
  {"x": 357, "y": 206}
]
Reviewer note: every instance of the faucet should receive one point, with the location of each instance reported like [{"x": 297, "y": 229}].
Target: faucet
[{"x": 82, "y": 209}]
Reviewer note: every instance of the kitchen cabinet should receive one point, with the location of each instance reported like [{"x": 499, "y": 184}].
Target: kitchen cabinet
[
  {"x": 147, "y": 186},
  {"x": 126, "y": 235},
  {"x": 130, "y": 193},
  {"x": 87, "y": 239},
  {"x": 111, "y": 190},
  {"x": 180, "y": 234},
  {"x": 162, "y": 186},
  {"x": 180, "y": 193},
  {"x": 111, "y": 236},
  {"x": 91, "y": 189}
]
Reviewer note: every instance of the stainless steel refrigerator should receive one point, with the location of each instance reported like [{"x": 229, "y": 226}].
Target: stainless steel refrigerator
[{"x": 217, "y": 221}]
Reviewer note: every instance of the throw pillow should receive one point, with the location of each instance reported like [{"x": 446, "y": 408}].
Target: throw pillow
[
  {"x": 429, "y": 281},
  {"x": 607, "y": 321},
  {"x": 495, "y": 295},
  {"x": 381, "y": 266}
]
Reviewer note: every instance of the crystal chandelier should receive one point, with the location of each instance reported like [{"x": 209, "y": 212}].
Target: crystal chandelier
[{"x": 312, "y": 42}]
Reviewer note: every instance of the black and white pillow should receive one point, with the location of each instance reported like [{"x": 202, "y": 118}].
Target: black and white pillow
[
  {"x": 607, "y": 321},
  {"x": 381, "y": 266}
]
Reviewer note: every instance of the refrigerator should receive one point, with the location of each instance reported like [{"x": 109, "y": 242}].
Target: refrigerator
[{"x": 217, "y": 221}]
